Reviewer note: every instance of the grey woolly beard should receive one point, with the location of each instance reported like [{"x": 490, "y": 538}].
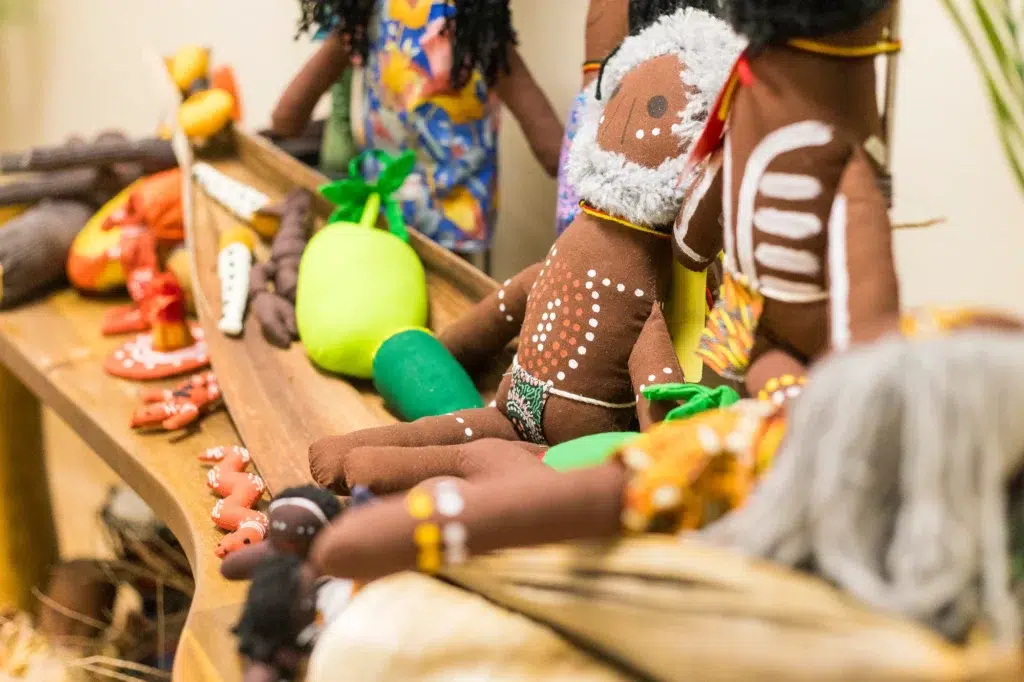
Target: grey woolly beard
[{"x": 614, "y": 184}]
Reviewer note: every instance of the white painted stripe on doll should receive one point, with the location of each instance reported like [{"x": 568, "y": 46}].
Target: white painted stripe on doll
[
  {"x": 697, "y": 195},
  {"x": 782, "y": 141},
  {"x": 839, "y": 276},
  {"x": 784, "y": 290},
  {"x": 787, "y": 224},
  {"x": 790, "y": 186},
  {"x": 786, "y": 259},
  {"x": 729, "y": 240},
  {"x": 308, "y": 505}
]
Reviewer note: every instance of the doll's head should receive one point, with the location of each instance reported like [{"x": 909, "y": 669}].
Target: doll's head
[
  {"x": 297, "y": 515},
  {"x": 775, "y": 21},
  {"x": 653, "y": 97},
  {"x": 481, "y": 31},
  {"x": 281, "y": 603}
]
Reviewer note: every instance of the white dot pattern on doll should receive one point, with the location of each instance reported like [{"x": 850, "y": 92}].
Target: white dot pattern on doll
[
  {"x": 709, "y": 440},
  {"x": 469, "y": 432},
  {"x": 667, "y": 370},
  {"x": 565, "y": 325}
]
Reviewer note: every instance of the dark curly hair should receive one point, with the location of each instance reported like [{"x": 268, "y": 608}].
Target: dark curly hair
[
  {"x": 263, "y": 629},
  {"x": 643, "y": 13},
  {"x": 774, "y": 21},
  {"x": 321, "y": 497},
  {"x": 481, "y": 32}
]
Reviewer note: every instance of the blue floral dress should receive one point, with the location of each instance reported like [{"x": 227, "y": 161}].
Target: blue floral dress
[
  {"x": 409, "y": 103},
  {"x": 568, "y": 200}
]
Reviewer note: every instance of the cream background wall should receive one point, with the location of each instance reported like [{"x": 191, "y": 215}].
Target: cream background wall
[{"x": 75, "y": 66}]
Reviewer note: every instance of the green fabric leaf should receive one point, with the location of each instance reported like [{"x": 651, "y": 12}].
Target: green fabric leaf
[
  {"x": 351, "y": 194},
  {"x": 396, "y": 223},
  {"x": 395, "y": 171},
  {"x": 695, "y": 398}
]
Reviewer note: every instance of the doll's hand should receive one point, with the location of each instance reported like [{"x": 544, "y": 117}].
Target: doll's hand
[{"x": 277, "y": 318}]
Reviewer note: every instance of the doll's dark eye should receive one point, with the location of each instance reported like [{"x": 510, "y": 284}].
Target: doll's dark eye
[
  {"x": 245, "y": 541},
  {"x": 657, "y": 106}
]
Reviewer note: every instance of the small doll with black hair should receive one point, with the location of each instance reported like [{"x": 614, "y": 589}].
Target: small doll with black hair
[
  {"x": 608, "y": 24},
  {"x": 279, "y": 620},
  {"x": 295, "y": 516},
  {"x": 435, "y": 73}
]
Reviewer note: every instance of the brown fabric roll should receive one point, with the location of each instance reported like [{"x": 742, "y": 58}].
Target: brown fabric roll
[
  {"x": 34, "y": 248},
  {"x": 153, "y": 153}
]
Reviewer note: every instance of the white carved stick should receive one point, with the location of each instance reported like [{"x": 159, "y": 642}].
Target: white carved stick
[
  {"x": 233, "y": 263},
  {"x": 241, "y": 199}
]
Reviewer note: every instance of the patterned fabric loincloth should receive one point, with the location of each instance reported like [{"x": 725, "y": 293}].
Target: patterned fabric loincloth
[
  {"x": 728, "y": 338},
  {"x": 527, "y": 397}
]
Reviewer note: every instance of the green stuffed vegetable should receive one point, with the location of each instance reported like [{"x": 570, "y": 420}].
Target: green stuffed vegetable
[
  {"x": 361, "y": 302},
  {"x": 591, "y": 451}
]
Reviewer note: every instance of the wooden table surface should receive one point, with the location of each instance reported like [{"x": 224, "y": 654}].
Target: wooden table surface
[{"x": 55, "y": 348}]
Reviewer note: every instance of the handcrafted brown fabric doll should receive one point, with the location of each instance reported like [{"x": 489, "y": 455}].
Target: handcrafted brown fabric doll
[
  {"x": 792, "y": 156},
  {"x": 589, "y": 319}
]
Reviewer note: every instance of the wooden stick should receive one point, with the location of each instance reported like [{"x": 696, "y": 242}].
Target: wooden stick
[
  {"x": 154, "y": 153},
  {"x": 66, "y": 184}
]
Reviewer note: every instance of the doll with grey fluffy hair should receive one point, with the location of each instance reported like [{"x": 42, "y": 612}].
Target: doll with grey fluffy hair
[{"x": 592, "y": 335}]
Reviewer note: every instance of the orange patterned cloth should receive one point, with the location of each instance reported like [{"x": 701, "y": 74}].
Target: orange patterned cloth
[
  {"x": 728, "y": 338},
  {"x": 686, "y": 474}
]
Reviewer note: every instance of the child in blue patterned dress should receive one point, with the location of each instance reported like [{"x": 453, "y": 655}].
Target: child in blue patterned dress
[{"x": 435, "y": 73}]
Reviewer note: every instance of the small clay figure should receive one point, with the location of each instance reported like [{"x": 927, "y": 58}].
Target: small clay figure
[
  {"x": 34, "y": 248},
  {"x": 172, "y": 409},
  {"x": 296, "y": 516},
  {"x": 272, "y": 285},
  {"x": 239, "y": 492},
  {"x": 278, "y": 624}
]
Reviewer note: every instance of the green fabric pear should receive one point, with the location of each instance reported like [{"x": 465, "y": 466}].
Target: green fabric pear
[{"x": 359, "y": 285}]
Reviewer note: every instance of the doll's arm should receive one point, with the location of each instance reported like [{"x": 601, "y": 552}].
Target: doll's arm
[
  {"x": 295, "y": 107},
  {"x": 652, "y": 362},
  {"x": 860, "y": 272},
  {"x": 698, "y": 233},
  {"x": 530, "y": 106},
  {"x": 479, "y": 335},
  {"x": 443, "y": 522},
  {"x": 607, "y": 26}
]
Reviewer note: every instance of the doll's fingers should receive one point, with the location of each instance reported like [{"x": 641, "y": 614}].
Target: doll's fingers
[
  {"x": 367, "y": 543},
  {"x": 240, "y": 564}
]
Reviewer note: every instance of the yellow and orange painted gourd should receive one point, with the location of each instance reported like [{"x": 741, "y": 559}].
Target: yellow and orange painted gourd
[{"x": 94, "y": 262}]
